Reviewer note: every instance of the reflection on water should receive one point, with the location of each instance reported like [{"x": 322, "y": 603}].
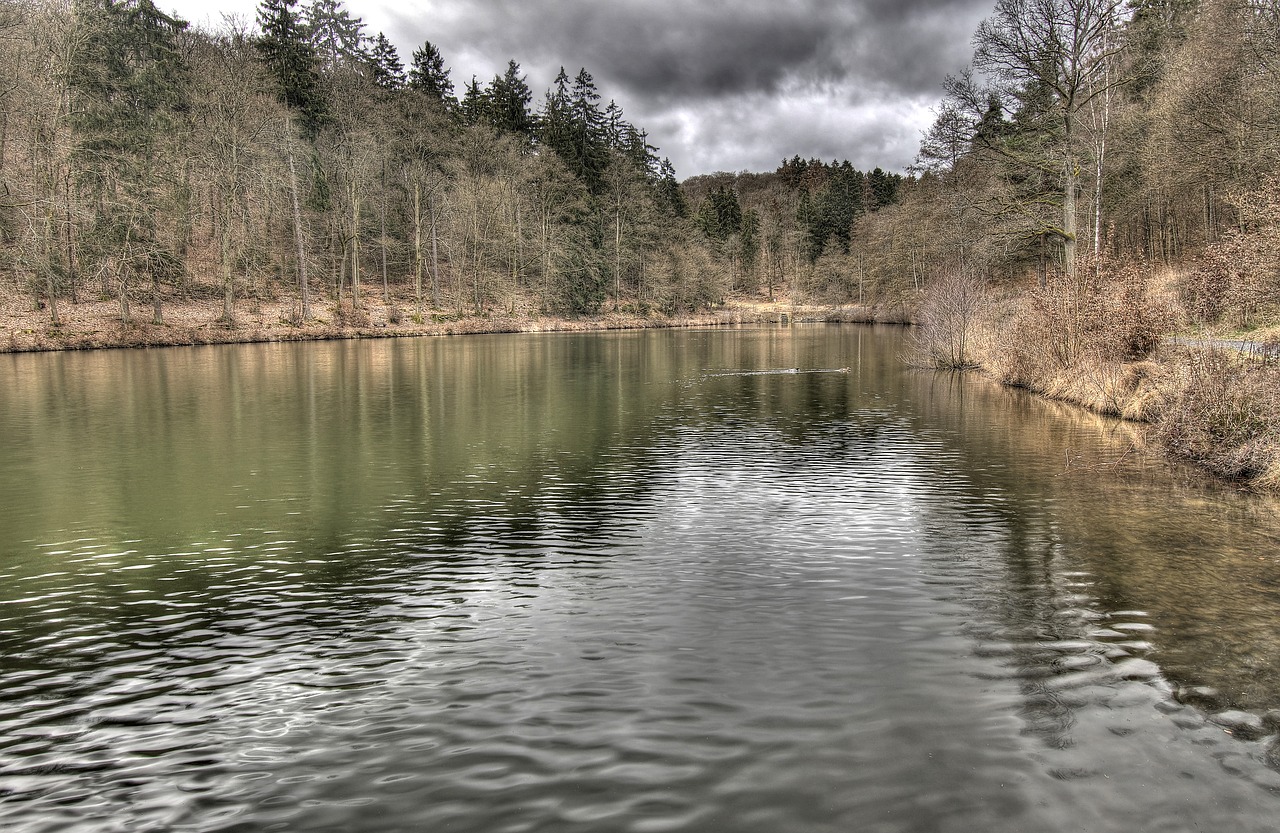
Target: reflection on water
[{"x": 699, "y": 580}]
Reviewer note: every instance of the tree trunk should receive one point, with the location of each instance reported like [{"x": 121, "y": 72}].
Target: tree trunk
[
  {"x": 304, "y": 298},
  {"x": 228, "y": 281},
  {"x": 73, "y": 269},
  {"x": 157, "y": 315},
  {"x": 52, "y": 285},
  {"x": 435, "y": 261},
  {"x": 1071, "y": 186},
  {"x": 417, "y": 248},
  {"x": 386, "y": 292},
  {"x": 355, "y": 247}
]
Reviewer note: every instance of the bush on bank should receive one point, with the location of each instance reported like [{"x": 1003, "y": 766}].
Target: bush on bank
[{"x": 1100, "y": 339}]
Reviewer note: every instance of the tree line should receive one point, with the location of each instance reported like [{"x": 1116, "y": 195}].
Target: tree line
[
  {"x": 1087, "y": 134},
  {"x": 142, "y": 159},
  {"x": 298, "y": 156},
  {"x": 1089, "y": 144}
]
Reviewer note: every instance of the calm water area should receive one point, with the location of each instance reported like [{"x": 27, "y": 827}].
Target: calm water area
[{"x": 762, "y": 579}]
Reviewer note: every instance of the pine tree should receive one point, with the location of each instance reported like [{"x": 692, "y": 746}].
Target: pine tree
[
  {"x": 883, "y": 187},
  {"x": 555, "y": 123},
  {"x": 292, "y": 62},
  {"x": 337, "y": 37},
  {"x": 384, "y": 63},
  {"x": 835, "y": 209},
  {"x": 669, "y": 194},
  {"x": 507, "y": 102},
  {"x": 720, "y": 215},
  {"x": 474, "y": 106},
  {"x": 428, "y": 75},
  {"x": 590, "y": 148}
]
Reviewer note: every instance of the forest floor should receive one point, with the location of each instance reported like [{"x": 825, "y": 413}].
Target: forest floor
[{"x": 92, "y": 324}]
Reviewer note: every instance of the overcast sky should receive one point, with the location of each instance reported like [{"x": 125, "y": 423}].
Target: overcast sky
[{"x": 720, "y": 85}]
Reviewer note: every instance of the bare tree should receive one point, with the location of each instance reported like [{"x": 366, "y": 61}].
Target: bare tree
[{"x": 1060, "y": 49}]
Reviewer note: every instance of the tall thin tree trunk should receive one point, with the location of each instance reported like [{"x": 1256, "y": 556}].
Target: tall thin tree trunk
[
  {"x": 1069, "y": 218},
  {"x": 73, "y": 267},
  {"x": 386, "y": 293},
  {"x": 435, "y": 262},
  {"x": 125, "y": 269},
  {"x": 157, "y": 315},
  {"x": 417, "y": 248},
  {"x": 304, "y": 296},
  {"x": 51, "y": 283},
  {"x": 228, "y": 281},
  {"x": 355, "y": 246}
]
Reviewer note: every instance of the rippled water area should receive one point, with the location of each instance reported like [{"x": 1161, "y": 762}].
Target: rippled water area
[{"x": 758, "y": 579}]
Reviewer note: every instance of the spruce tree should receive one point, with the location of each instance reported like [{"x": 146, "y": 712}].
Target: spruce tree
[
  {"x": 337, "y": 37},
  {"x": 292, "y": 62},
  {"x": 428, "y": 75},
  {"x": 507, "y": 102},
  {"x": 385, "y": 65}
]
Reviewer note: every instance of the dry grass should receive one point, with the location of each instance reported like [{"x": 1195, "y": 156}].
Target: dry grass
[
  {"x": 1101, "y": 348},
  {"x": 1223, "y": 412},
  {"x": 96, "y": 323}
]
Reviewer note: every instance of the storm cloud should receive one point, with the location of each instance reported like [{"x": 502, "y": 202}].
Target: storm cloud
[{"x": 718, "y": 84}]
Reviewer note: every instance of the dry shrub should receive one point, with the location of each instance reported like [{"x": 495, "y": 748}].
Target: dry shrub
[
  {"x": 350, "y": 315},
  {"x": 1224, "y": 413},
  {"x": 948, "y": 320},
  {"x": 1237, "y": 279},
  {"x": 1085, "y": 339},
  {"x": 1102, "y": 315}
]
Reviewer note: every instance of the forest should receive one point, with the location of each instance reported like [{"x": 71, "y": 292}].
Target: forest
[
  {"x": 300, "y": 157},
  {"x": 1102, "y": 178},
  {"x": 142, "y": 159}
]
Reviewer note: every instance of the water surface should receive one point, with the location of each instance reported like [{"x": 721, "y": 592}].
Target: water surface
[{"x": 655, "y": 581}]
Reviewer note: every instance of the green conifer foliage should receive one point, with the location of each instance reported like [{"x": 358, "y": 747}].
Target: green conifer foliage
[
  {"x": 291, "y": 60},
  {"x": 429, "y": 75}
]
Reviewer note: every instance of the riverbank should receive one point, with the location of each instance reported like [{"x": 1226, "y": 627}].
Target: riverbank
[
  {"x": 97, "y": 324},
  {"x": 1207, "y": 399}
]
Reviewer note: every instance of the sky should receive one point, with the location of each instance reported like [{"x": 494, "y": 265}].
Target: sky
[{"x": 720, "y": 85}]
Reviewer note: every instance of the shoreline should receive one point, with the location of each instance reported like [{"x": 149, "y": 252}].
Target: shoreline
[{"x": 96, "y": 325}]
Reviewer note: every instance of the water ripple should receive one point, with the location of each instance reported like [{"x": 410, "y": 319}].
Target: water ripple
[{"x": 731, "y": 599}]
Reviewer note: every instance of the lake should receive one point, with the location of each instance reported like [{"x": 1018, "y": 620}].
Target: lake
[{"x": 742, "y": 579}]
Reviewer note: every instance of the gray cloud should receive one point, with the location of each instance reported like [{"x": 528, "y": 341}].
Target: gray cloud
[
  {"x": 675, "y": 50},
  {"x": 719, "y": 84}
]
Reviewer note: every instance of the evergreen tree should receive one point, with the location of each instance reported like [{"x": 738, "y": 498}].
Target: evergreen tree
[
  {"x": 475, "y": 103},
  {"x": 614, "y": 125},
  {"x": 634, "y": 146},
  {"x": 572, "y": 125},
  {"x": 669, "y": 194},
  {"x": 590, "y": 143},
  {"x": 883, "y": 188},
  {"x": 385, "y": 65},
  {"x": 291, "y": 61},
  {"x": 129, "y": 83},
  {"x": 506, "y": 102},
  {"x": 835, "y": 208},
  {"x": 428, "y": 75},
  {"x": 337, "y": 37},
  {"x": 555, "y": 123},
  {"x": 720, "y": 214}
]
